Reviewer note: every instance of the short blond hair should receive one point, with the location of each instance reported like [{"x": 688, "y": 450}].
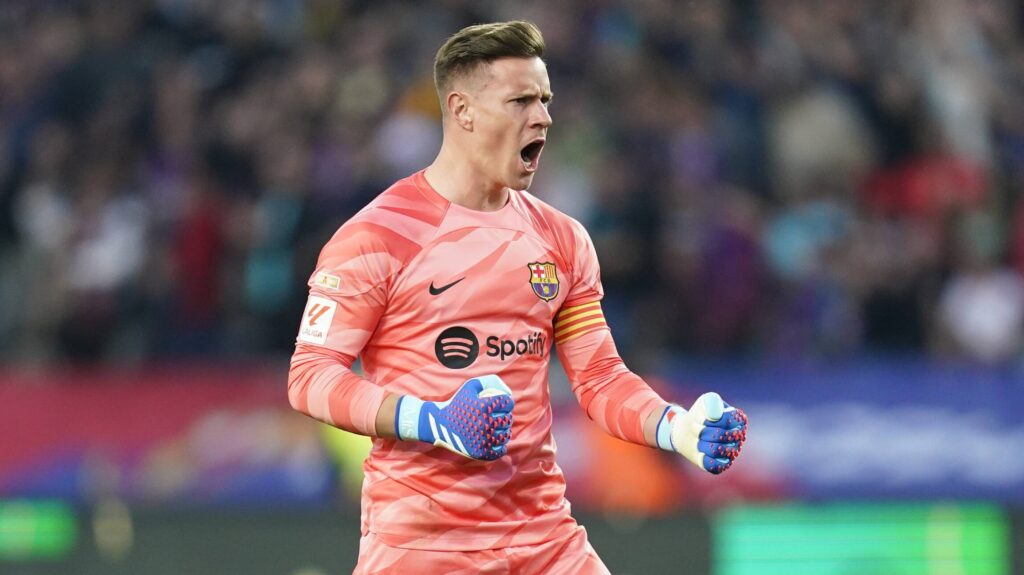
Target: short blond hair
[{"x": 479, "y": 44}]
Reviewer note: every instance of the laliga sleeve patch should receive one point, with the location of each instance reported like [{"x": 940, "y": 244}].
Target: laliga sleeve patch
[
  {"x": 316, "y": 320},
  {"x": 327, "y": 280}
]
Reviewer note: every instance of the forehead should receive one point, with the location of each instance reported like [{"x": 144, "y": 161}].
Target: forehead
[{"x": 517, "y": 75}]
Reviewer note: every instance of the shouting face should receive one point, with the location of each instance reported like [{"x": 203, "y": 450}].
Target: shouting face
[{"x": 508, "y": 120}]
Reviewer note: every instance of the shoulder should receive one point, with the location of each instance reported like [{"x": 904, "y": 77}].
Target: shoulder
[
  {"x": 400, "y": 220},
  {"x": 379, "y": 240},
  {"x": 405, "y": 209},
  {"x": 549, "y": 221}
]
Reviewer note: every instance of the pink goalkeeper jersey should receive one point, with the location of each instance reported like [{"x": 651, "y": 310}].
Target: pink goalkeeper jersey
[{"x": 429, "y": 294}]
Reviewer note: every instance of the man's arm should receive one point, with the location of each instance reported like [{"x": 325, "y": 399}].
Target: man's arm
[
  {"x": 322, "y": 385},
  {"x": 617, "y": 399},
  {"x": 651, "y": 425},
  {"x": 475, "y": 422},
  {"x": 349, "y": 294},
  {"x": 710, "y": 434}
]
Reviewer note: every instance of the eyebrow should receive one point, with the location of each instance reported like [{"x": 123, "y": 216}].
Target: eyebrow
[{"x": 544, "y": 96}]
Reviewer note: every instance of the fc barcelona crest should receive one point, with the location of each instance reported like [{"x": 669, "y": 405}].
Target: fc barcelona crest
[{"x": 543, "y": 280}]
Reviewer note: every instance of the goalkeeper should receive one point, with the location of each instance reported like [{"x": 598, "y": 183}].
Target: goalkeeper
[{"x": 451, "y": 287}]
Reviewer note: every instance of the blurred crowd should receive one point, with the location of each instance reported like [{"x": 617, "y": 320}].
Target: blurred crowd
[{"x": 779, "y": 178}]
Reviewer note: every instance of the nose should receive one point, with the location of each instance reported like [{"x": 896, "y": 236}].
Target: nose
[{"x": 541, "y": 116}]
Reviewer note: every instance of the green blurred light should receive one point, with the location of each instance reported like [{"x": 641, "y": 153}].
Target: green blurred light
[
  {"x": 847, "y": 539},
  {"x": 36, "y": 530}
]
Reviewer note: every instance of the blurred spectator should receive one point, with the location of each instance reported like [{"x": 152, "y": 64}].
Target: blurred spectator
[
  {"x": 764, "y": 178},
  {"x": 982, "y": 305}
]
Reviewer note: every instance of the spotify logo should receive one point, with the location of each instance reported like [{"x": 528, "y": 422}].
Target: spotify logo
[{"x": 456, "y": 347}]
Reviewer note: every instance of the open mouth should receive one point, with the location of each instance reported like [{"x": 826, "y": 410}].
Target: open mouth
[{"x": 530, "y": 154}]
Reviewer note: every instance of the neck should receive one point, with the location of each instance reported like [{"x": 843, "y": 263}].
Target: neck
[{"x": 463, "y": 183}]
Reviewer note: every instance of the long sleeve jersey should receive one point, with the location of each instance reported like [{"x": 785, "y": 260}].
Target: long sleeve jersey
[{"x": 428, "y": 294}]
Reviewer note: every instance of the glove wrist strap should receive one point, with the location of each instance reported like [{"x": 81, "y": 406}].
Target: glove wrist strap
[
  {"x": 407, "y": 417},
  {"x": 664, "y": 429}
]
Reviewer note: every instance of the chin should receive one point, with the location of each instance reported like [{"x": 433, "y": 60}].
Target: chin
[{"x": 522, "y": 182}]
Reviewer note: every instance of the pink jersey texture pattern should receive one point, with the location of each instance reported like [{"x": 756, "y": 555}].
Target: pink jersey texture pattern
[
  {"x": 429, "y": 294},
  {"x": 572, "y": 555}
]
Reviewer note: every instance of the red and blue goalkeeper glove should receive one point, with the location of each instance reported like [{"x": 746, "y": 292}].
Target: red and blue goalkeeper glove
[
  {"x": 476, "y": 422},
  {"x": 710, "y": 434}
]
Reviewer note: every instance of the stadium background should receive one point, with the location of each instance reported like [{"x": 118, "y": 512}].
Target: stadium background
[{"x": 812, "y": 207}]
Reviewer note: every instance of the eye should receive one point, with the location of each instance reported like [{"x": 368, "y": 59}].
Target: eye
[{"x": 522, "y": 100}]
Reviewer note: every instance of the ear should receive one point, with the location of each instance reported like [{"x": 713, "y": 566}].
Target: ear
[{"x": 460, "y": 109}]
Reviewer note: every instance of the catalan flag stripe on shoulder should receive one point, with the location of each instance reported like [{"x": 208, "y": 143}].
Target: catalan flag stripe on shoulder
[{"x": 575, "y": 321}]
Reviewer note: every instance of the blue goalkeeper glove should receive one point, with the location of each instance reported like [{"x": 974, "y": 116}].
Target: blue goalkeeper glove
[
  {"x": 710, "y": 434},
  {"x": 476, "y": 422}
]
